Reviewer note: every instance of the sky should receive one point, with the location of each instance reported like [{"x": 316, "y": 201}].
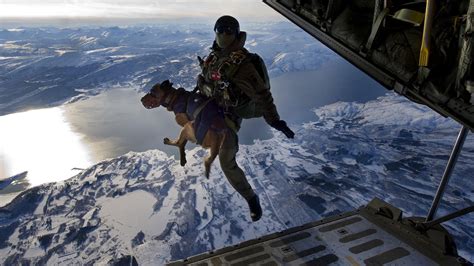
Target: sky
[{"x": 110, "y": 11}]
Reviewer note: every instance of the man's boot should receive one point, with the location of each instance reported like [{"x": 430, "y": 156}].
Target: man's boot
[{"x": 255, "y": 209}]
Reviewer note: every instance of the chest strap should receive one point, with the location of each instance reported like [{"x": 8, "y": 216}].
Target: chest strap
[{"x": 200, "y": 107}]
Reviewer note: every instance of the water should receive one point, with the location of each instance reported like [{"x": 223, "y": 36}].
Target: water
[
  {"x": 42, "y": 143},
  {"x": 51, "y": 144},
  {"x": 115, "y": 122},
  {"x": 297, "y": 94}
]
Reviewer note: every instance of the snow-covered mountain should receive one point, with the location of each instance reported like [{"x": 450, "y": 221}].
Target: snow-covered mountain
[
  {"x": 42, "y": 67},
  {"x": 147, "y": 206}
]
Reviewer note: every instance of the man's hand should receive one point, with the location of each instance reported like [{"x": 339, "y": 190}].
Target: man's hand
[
  {"x": 281, "y": 126},
  {"x": 150, "y": 101}
]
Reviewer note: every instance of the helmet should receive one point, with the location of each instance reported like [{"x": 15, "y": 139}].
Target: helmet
[{"x": 227, "y": 24}]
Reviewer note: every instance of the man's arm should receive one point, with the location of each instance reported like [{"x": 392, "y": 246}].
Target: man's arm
[{"x": 251, "y": 84}]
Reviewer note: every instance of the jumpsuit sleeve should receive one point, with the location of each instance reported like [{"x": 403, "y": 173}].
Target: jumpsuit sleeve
[{"x": 248, "y": 81}]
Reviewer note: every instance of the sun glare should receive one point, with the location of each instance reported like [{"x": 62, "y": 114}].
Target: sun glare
[{"x": 42, "y": 143}]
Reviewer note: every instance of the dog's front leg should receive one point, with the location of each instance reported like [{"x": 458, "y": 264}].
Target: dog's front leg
[{"x": 180, "y": 142}]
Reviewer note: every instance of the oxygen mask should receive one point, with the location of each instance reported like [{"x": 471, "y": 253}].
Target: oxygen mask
[{"x": 224, "y": 40}]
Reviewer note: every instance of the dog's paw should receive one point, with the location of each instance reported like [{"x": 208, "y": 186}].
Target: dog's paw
[
  {"x": 183, "y": 162},
  {"x": 166, "y": 141},
  {"x": 207, "y": 173}
]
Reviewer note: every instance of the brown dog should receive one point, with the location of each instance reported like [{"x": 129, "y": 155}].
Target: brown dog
[{"x": 189, "y": 108}]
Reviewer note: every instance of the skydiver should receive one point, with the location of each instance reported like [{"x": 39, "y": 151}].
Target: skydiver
[{"x": 239, "y": 81}]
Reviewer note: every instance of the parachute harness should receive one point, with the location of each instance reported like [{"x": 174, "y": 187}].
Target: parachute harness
[{"x": 220, "y": 75}]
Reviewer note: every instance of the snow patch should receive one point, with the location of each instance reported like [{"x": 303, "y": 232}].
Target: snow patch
[{"x": 132, "y": 213}]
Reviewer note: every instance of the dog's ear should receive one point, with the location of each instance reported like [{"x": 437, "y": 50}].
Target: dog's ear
[
  {"x": 155, "y": 88},
  {"x": 166, "y": 85}
]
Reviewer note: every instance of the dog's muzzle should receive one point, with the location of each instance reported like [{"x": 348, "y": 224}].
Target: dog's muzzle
[{"x": 150, "y": 101}]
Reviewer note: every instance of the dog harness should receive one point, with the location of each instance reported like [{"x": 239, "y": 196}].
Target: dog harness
[{"x": 201, "y": 110}]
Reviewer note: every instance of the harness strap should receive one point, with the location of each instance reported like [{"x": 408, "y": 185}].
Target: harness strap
[
  {"x": 403, "y": 13},
  {"x": 167, "y": 101},
  {"x": 171, "y": 98},
  {"x": 375, "y": 30},
  {"x": 200, "y": 107}
]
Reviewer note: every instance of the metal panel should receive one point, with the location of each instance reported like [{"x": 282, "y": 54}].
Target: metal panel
[
  {"x": 451, "y": 107},
  {"x": 349, "y": 240},
  {"x": 379, "y": 75}
]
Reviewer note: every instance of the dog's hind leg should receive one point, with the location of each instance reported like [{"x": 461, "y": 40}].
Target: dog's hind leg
[
  {"x": 214, "y": 151},
  {"x": 182, "y": 153}
]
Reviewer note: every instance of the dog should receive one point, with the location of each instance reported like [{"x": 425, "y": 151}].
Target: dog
[{"x": 203, "y": 121}]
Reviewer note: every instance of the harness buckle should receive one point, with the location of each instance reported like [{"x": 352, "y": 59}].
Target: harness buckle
[
  {"x": 227, "y": 95},
  {"x": 224, "y": 85}
]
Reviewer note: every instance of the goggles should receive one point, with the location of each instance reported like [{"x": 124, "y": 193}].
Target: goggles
[{"x": 225, "y": 29}]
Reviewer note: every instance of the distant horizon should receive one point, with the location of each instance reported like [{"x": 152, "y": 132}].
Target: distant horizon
[
  {"x": 62, "y": 13},
  {"x": 116, "y": 22}
]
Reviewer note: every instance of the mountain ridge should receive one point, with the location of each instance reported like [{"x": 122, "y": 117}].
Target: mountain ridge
[{"x": 147, "y": 206}]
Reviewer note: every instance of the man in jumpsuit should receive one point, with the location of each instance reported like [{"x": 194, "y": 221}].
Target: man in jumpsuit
[{"x": 238, "y": 80}]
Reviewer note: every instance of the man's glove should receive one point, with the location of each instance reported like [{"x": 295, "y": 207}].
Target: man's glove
[
  {"x": 281, "y": 126},
  {"x": 150, "y": 101}
]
